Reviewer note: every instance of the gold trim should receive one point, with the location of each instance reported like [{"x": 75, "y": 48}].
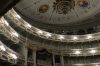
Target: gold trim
[
  {"x": 53, "y": 53},
  {"x": 26, "y": 46},
  {"x": 34, "y": 49},
  {"x": 61, "y": 55}
]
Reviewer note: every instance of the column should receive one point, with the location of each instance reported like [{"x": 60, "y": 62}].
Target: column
[
  {"x": 62, "y": 60},
  {"x": 53, "y": 57},
  {"x": 34, "y": 56},
  {"x": 26, "y": 54}
]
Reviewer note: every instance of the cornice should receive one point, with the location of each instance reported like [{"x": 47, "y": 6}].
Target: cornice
[
  {"x": 55, "y": 37},
  {"x": 22, "y": 40}
]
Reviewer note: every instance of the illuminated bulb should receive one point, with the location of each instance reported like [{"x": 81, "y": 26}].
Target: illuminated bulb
[
  {"x": 2, "y": 48},
  {"x": 92, "y": 51},
  {"x": 15, "y": 34},
  {"x": 13, "y": 56},
  {"x": 28, "y": 25},
  {"x": 48, "y": 35},
  {"x": 6, "y": 22},
  {"x": 61, "y": 37},
  {"x": 75, "y": 38},
  {"x": 89, "y": 37},
  {"x": 18, "y": 16},
  {"x": 77, "y": 52},
  {"x": 40, "y": 32}
]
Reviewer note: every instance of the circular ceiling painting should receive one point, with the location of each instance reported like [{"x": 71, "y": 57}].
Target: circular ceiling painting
[
  {"x": 43, "y": 8},
  {"x": 83, "y": 3},
  {"x": 58, "y": 11}
]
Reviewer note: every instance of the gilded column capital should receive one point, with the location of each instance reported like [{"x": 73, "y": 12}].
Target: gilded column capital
[
  {"x": 34, "y": 49},
  {"x": 26, "y": 46},
  {"x": 53, "y": 54},
  {"x": 44, "y": 47},
  {"x": 61, "y": 54}
]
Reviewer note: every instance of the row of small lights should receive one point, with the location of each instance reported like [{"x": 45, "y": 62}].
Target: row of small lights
[
  {"x": 40, "y": 32},
  {"x": 79, "y": 52},
  {"x": 49, "y": 35},
  {"x": 2, "y": 48},
  {"x": 91, "y": 51}
]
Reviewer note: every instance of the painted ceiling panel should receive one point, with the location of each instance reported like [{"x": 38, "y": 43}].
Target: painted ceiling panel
[{"x": 59, "y": 11}]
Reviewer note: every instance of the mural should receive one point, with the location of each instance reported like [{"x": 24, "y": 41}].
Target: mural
[
  {"x": 43, "y": 8},
  {"x": 83, "y": 3},
  {"x": 59, "y": 11}
]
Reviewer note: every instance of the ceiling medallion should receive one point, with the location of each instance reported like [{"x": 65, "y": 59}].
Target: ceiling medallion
[
  {"x": 83, "y": 3},
  {"x": 63, "y": 6},
  {"x": 43, "y": 8}
]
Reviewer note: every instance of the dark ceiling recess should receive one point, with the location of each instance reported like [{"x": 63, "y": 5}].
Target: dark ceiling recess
[{"x": 5, "y": 5}]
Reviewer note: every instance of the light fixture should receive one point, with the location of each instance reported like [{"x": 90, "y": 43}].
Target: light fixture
[
  {"x": 61, "y": 37},
  {"x": 2, "y": 48},
  {"x": 18, "y": 16},
  {"x": 75, "y": 38},
  {"x": 48, "y": 35},
  {"x": 77, "y": 52},
  {"x": 15, "y": 34},
  {"x": 40, "y": 32},
  {"x": 89, "y": 37},
  {"x": 28, "y": 25},
  {"x": 5, "y": 21},
  {"x": 13, "y": 56},
  {"x": 92, "y": 51}
]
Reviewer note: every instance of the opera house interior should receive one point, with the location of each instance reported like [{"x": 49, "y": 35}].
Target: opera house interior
[{"x": 49, "y": 32}]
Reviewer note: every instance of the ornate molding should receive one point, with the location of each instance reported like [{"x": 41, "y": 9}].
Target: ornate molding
[
  {"x": 7, "y": 32},
  {"x": 63, "y": 6},
  {"x": 67, "y": 38}
]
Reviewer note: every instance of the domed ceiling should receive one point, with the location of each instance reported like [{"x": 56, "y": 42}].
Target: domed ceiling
[{"x": 59, "y": 11}]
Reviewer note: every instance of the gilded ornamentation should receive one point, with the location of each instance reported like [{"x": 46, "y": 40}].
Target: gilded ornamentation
[
  {"x": 53, "y": 53},
  {"x": 26, "y": 46},
  {"x": 63, "y": 6},
  {"x": 34, "y": 49},
  {"x": 61, "y": 55}
]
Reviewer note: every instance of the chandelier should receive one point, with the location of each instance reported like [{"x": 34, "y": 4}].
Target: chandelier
[{"x": 63, "y": 6}]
